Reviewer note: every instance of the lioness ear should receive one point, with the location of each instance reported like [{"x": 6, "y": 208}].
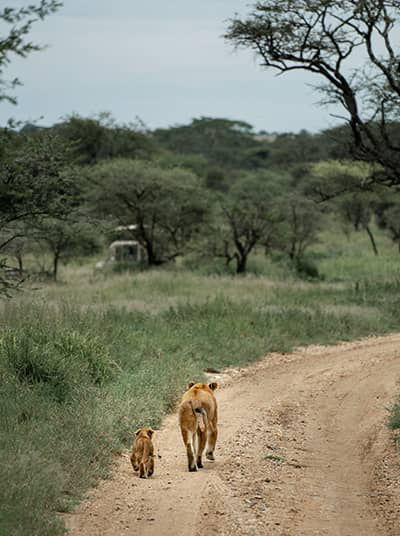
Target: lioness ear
[
  {"x": 138, "y": 431},
  {"x": 190, "y": 384},
  {"x": 213, "y": 386},
  {"x": 150, "y": 432}
]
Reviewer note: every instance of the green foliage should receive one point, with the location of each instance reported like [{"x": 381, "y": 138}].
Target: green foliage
[
  {"x": 196, "y": 163},
  {"x": 221, "y": 147},
  {"x": 101, "y": 138},
  {"x": 222, "y": 141},
  {"x": 300, "y": 222},
  {"x": 289, "y": 149},
  {"x": 394, "y": 419},
  {"x": 72, "y": 236},
  {"x": 387, "y": 211},
  {"x": 217, "y": 180},
  {"x": 329, "y": 179},
  {"x": 307, "y": 268},
  {"x": 245, "y": 217},
  {"x": 35, "y": 184}
]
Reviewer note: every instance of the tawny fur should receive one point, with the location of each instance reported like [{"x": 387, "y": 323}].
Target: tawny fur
[
  {"x": 198, "y": 418},
  {"x": 142, "y": 457}
]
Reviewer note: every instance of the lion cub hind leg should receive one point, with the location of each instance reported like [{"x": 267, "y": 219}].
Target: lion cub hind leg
[
  {"x": 142, "y": 470},
  {"x": 150, "y": 466},
  {"x": 134, "y": 462}
]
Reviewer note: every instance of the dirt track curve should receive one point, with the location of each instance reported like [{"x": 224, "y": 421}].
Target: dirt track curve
[{"x": 303, "y": 450}]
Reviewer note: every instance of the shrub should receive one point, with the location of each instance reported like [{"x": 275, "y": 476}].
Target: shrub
[
  {"x": 394, "y": 419},
  {"x": 307, "y": 268}
]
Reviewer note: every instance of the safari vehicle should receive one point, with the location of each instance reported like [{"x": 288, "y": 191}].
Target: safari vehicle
[{"x": 123, "y": 251}]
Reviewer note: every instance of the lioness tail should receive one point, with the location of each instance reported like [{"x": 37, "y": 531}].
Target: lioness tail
[{"x": 201, "y": 415}]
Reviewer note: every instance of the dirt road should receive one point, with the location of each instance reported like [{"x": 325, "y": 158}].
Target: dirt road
[{"x": 302, "y": 450}]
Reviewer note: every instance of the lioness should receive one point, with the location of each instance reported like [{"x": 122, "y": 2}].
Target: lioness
[
  {"x": 198, "y": 422},
  {"x": 142, "y": 457}
]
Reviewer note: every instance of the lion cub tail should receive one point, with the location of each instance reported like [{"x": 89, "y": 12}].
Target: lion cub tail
[
  {"x": 147, "y": 451},
  {"x": 200, "y": 414}
]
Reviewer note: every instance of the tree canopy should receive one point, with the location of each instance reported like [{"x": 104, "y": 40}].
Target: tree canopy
[
  {"x": 222, "y": 141},
  {"x": 167, "y": 206},
  {"x": 100, "y": 137}
]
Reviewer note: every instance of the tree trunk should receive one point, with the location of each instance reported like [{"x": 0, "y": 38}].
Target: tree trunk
[
  {"x": 151, "y": 258},
  {"x": 20, "y": 265},
  {"x": 292, "y": 252},
  {"x": 241, "y": 262},
  {"x": 55, "y": 265},
  {"x": 371, "y": 237}
]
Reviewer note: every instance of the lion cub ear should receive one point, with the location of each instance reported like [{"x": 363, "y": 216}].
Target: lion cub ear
[
  {"x": 138, "y": 431},
  {"x": 213, "y": 386},
  {"x": 150, "y": 432},
  {"x": 190, "y": 384}
]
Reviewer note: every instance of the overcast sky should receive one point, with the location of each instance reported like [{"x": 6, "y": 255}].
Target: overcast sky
[{"x": 163, "y": 61}]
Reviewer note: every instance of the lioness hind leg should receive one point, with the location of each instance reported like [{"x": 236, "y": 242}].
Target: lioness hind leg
[
  {"x": 188, "y": 441},
  {"x": 201, "y": 444},
  {"x": 211, "y": 441},
  {"x": 190, "y": 454}
]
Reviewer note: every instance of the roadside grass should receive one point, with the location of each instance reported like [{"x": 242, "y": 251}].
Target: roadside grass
[
  {"x": 350, "y": 259},
  {"x": 274, "y": 458},
  {"x": 85, "y": 363},
  {"x": 394, "y": 420}
]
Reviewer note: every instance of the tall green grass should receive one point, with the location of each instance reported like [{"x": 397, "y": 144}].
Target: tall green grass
[{"x": 84, "y": 364}]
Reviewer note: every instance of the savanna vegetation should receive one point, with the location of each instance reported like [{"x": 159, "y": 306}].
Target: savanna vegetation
[{"x": 251, "y": 242}]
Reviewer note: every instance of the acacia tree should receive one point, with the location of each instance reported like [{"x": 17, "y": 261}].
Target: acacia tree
[
  {"x": 392, "y": 223},
  {"x": 167, "y": 206},
  {"x": 326, "y": 38},
  {"x": 65, "y": 238},
  {"x": 301, "y": 221},
  {"x": 18, "y": 192},
  {"x": 35, "y": 183},
  {"x": 30, "y": 178},
  {"x": 15, "y": 42},
  {"x": 387, "y": 212},
  {"x": 339, "y": 183},
  {"x": 246, "y": 217},
  {"x": 224, "y": 142},
  {"x": 100, "y": 138}
]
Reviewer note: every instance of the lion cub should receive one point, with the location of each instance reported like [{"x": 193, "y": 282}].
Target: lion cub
[{"x": 142, "y": 457}]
